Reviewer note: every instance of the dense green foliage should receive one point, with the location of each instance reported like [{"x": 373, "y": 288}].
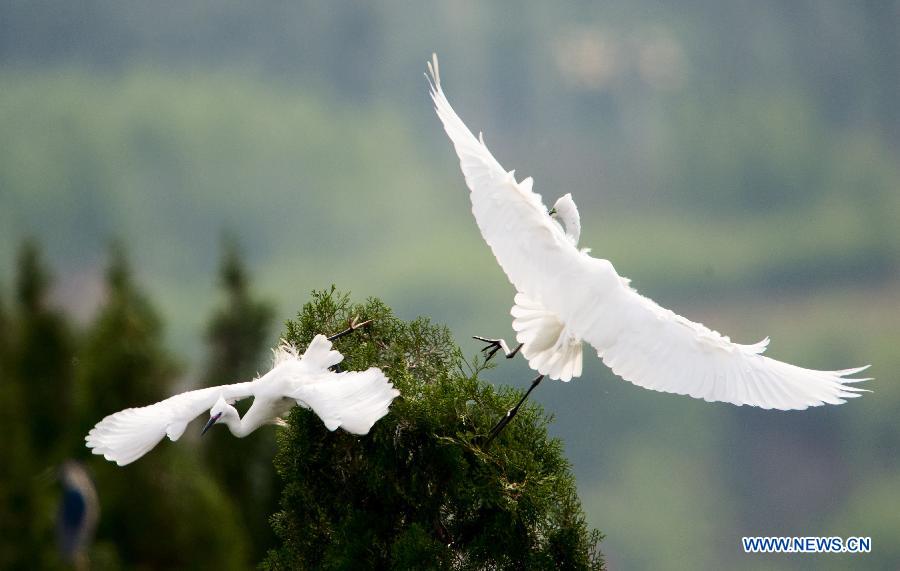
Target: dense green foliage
[{"x": 420, "y": 491}]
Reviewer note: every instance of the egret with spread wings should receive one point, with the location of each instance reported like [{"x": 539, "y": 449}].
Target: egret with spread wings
[
  {"x": 566, "y": 297},
  {"x": 352, "y": 400}
]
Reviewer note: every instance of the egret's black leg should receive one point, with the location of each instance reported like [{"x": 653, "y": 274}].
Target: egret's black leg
[
  {"x": 511, "y": 412},
  {"x": 494, "y": 345}
]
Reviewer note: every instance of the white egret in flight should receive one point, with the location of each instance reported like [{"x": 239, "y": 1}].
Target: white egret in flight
[
  {"x": 351, "y": 400},
  {"x": 566, "y": 297}
]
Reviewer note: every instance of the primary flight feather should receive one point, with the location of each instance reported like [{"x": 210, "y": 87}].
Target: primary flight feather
[{"x": 566, "y": 297}]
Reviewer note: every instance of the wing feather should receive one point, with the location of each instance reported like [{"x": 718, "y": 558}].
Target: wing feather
[
  {"x": 127, "y": 435},
  {"x": 652, "y": 344},
  {"x": 502, "y": 207},
  {"x": 640, "y": 341}
]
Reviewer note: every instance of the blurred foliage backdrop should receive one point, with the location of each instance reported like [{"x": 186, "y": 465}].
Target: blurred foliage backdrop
[{"x": 738, "y": 161}]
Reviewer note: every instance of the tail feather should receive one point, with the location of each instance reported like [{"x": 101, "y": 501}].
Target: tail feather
[{"x": 546, "y": 345}]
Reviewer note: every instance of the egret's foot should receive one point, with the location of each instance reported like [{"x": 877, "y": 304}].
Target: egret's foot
[
  {"x": 494, "y": 345},
  {"x": 511, "y": 413}
]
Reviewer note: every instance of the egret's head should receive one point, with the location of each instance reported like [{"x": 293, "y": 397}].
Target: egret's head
[
  {"x": 215, "y": 413},
  {"x": 563, "y": 205}
]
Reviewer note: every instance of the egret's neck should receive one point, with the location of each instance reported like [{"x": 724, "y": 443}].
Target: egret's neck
[{"x": 236, "y": 424}]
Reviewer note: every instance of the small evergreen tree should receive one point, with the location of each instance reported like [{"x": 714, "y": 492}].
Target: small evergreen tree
[
  {"x": 164, "y": 511},
  {"x": 419, "y": 491},
  {"x": 236, "y": 337},
  {"x": 35, "y": 400},
  {"x": 42, "y": 358}
]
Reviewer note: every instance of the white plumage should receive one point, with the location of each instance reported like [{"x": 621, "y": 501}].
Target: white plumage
[
  {"x": 566, "y": 297},
  {"x": 353, "y": 401},
  {"x": 566, "y": 212}
]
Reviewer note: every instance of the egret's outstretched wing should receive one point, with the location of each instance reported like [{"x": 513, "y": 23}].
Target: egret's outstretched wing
[
  {"x": 642, "y": 342},
  {"x": 352, "y": 400},
  {"x": 127, "y": 435},
  {"x": 655, "y": 348},
  {"x": 506, "y": 211}
]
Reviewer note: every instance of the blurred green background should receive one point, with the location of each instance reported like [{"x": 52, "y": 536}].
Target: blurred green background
[{"x": 737, "y": 160}]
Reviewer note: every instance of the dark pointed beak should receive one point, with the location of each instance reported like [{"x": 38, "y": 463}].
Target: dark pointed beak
[{"x": 212, "y": 420}]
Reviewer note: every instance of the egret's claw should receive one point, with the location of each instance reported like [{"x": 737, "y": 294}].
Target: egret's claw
[{"x": 494, "y": 345}]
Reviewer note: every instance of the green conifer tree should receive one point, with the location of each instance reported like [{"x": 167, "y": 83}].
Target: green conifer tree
[
  {"x": 36, "y": 379},
  {"x": 163, "y": 511},
  {"x": 236, "y": 337},
  {"x": 421, "y": 491},
  {"x": 42, "y": 360}
]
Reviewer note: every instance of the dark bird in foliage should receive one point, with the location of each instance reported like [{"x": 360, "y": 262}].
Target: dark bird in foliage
[{"x": 78, "y": 513}]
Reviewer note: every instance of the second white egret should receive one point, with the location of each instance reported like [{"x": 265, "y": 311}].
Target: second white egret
[{"x": 566, "y": 297}]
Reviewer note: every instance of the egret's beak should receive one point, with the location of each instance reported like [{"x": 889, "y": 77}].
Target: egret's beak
[
  {"x": 552, "y": 212},
  {"x": 212, "y": 420}
]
